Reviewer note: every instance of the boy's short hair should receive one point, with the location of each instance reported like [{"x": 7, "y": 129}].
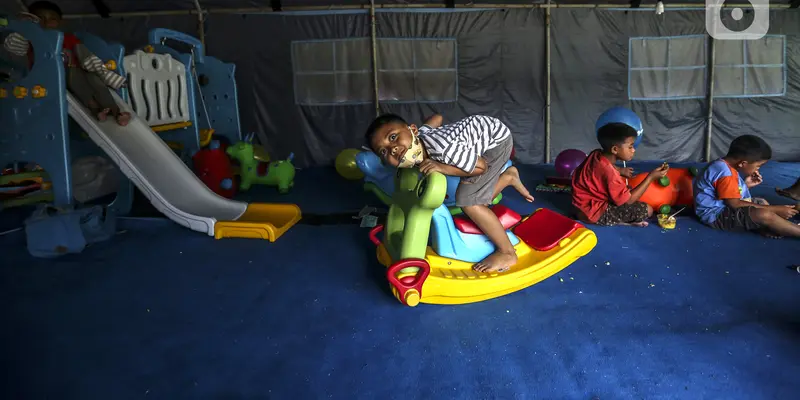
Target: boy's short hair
[
  {"x": 379, "y": 122},
  {"x": 749, "y": 148},
  {"x": 614, "y": 134},
  {"x": 45, "y": 6}
]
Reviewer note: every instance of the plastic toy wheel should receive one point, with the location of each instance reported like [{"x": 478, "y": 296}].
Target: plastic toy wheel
[{"x": 406, "y": 278}]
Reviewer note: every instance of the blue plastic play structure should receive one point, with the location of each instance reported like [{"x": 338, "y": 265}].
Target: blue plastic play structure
[
  {"x": 380, "y": 179},
  {"x": 36, "y": 127},
  {"x": 218, "y": 105}
]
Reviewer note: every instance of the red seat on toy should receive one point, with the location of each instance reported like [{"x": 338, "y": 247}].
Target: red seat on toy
[
  {"x": 544, "y": 229},
  {"x": 506, "y": 216}
]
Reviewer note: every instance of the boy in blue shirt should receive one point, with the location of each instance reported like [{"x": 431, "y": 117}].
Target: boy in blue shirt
[{"x": 722, "y": 192}]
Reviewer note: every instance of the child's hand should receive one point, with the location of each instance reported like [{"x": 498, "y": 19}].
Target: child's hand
[
  {"x": 429, "y": 166},
  {"x": 753, "y": 180},
  {"x": 784, "y": 211},
  {"x": 626, "y": 172},
  {"x": 660, "y": 172}
]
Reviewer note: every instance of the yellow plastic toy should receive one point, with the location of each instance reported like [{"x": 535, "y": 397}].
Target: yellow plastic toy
[
  {"x": 20, "y": 92},
  {"x": 548, "y": 242},
  {"x": 205, "y": 136},
  {"x": 38, "y": 92}
]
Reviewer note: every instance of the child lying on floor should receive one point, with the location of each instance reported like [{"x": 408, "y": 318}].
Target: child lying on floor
[
  {"x": 475, "y": 148},
  {"x": 599, "y": 194},
  {"x": 87, "y": 77},
  {"x": 722, "y": 192}
]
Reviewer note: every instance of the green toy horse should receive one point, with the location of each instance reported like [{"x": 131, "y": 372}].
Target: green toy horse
[{"x": 278, "y": 173}]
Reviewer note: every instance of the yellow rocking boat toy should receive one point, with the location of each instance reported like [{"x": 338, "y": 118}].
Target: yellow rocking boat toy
[{"x": 441, "y": 273}]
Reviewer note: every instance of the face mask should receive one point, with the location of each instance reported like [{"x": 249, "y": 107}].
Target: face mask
[{"x": 414, "y": 154}]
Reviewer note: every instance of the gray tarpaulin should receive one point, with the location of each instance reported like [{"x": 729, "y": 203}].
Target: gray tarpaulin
[
  {"x": 480, "y": 54},
  {"x": 591, "y": 57},
  {"x": 773, "y": 118},
  {"x": 302, "y": 98}
]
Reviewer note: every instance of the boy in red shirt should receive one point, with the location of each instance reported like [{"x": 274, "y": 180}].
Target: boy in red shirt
[
  {"x": 87, "y": 77},
  {"x": 599, "y": 193}
]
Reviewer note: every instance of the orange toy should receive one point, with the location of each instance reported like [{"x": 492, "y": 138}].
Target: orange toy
[{"x": 673, "y": 190}]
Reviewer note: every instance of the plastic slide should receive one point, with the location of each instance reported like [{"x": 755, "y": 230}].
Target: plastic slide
[{"x": 173, "y": 188}]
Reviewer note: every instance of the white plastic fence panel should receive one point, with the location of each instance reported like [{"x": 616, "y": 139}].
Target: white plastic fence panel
[{"x": 157, "y": 88}]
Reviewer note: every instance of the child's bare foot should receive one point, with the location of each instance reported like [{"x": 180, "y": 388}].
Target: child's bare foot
[
  {"x": 517, "y": 183},
  {"x": 792, "y": 193},
  {"x": 496, "y": 262},
  {"x": 123, "y": 118},
  {"x": 103, "y": 114}
]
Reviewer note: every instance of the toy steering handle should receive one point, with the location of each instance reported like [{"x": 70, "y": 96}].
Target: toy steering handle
[
  {"x": 373, "y": 235},
  {"x": 156, "y": 36},
  {"x": 408, "y": 293}
]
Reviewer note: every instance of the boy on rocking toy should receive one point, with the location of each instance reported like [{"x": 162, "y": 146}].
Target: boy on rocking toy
[{"x": 475, "y": 148}]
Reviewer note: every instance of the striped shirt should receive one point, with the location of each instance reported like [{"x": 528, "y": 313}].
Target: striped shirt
[{"x": 461, "y": 143}]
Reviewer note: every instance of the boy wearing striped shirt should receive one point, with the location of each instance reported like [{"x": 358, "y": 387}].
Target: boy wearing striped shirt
[
  {"x": 87, "y": 76},
  {"x": 474, "y": 148}
]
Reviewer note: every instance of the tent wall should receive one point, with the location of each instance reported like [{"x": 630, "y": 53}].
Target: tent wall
[
  {"x": 500, "y": 70},
  {"x": 132, "y": 31},
  {"x": 773, "y": 118},
  {"x": 261, "y": 47},
  {"x": 590, "y": 74},
  {"x": 499, "y": 73}
]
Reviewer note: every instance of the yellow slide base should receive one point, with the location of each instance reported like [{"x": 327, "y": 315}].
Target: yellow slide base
[
  {"x": 455, "y": 282},
  {"x": 260, "y": 221}
]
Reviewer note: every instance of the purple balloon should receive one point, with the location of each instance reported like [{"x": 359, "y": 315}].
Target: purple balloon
[{"x": 567, "y": 161}]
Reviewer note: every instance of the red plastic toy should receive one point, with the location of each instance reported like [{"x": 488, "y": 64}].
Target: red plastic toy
[
  {"x": 213, "y": 167},
  {"x": 506, "y": 216},
  {"x": 545, "y": 229}
]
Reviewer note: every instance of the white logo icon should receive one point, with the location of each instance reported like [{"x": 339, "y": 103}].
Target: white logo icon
[{"x": 717, "y": 14}]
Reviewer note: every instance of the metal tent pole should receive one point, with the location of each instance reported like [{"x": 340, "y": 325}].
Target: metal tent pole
[
  {"x": 710, "y": 119},
  {"x": 201, "y": 25},
  {"x": 268, "y": 10},
  {"x": 374, "y": 40},
  {"x": 547, "y": 87}
]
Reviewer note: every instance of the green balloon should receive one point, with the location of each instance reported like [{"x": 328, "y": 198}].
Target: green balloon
[
  {"x": 665, "y": 209},
  {"x": 693, "y": 171},
  {"x": 664, "y": 181}
]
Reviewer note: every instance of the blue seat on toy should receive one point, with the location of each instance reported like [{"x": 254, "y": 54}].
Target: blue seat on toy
[
  {"x": 383, "y": 176},
  {"x": 447, "y": 241}
]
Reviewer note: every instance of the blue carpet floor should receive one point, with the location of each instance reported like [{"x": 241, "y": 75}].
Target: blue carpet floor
[{"x": 166, "y": 313}]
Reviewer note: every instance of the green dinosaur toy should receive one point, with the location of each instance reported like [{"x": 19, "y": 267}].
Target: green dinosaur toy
[{"x": 279, "y": 173}]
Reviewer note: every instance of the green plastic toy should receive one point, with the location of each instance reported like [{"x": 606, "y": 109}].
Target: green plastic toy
[
  {"x": 409, "y": 220},
  {"x": 279, "y": 173}
]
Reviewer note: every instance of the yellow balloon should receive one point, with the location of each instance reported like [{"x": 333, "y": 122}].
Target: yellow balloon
[{"x": 346, "y": 164}]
